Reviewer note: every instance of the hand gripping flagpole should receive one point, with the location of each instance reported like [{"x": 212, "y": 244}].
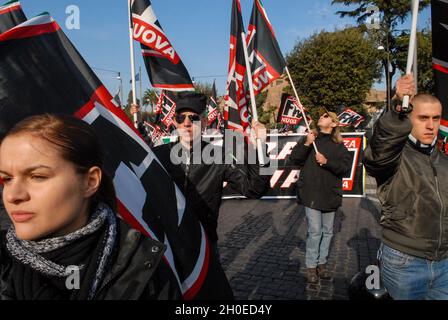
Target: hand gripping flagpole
[
  {"x": 261, "y": 156},
  {"x": 131, "y": 47},
  {"x": 412, "y": 48},
  {"x": 301, "y": 109}
]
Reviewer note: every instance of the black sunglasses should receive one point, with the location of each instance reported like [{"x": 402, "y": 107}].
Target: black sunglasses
[
  {"x": 180, "y": 118},
  {"x": 325, "y": 115}
]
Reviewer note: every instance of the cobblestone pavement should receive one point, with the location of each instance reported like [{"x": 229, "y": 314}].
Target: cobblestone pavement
[{"x": 262, "y": 247}]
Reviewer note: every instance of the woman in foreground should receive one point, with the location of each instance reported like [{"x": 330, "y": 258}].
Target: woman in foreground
[{"x": 66, "y": 241}]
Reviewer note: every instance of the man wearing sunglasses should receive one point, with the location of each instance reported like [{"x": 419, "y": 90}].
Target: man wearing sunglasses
[
  {"x": 320, "y": 188},
  {"x": 202, "y": 183}
]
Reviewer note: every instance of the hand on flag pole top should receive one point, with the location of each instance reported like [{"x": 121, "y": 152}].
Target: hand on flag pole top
[
  {"x": 405, "y": 86},
  {"x": 135, "y": 108},
  {"x": 259, "y": 130}
]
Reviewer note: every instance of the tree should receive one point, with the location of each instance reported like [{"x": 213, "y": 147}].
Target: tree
[
  {"x": 150, "y": 97},
  {"x": 392, "y": 12},
  {"x": 205, "y": 88},
  {"x": 425, "y": 76},
  {"x": 334, "y": 69}
]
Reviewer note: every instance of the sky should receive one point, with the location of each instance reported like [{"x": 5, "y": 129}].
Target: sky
[{"x": 199, "y": 30}]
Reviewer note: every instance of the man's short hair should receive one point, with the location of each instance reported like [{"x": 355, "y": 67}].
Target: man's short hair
[{"x": 425, "y": 98}]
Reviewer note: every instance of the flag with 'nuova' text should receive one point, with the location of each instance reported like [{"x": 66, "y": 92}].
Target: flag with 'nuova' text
[{"x": 165, "y": 68}]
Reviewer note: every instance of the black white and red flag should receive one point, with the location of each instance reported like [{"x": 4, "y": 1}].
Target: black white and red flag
[
  {"x": 11, "y": 14},
  {"x": 165, "y": 68},
  {"x": 236, "y": 114},
  {"x": 265, "y": 57},
  {"x": 36, "y": 57},
  {"x": 212, "y": 108},
  {"x": 439, "y": 12},
  {"x": 165, "y": 111},
  {"x": 348, "y": 117},
  {"x": 154, "y": 132},
  {"x": 290, "y": 111}
]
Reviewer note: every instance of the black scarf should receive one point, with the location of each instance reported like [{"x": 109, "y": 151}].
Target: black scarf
[{"x": 26, "y": 283}]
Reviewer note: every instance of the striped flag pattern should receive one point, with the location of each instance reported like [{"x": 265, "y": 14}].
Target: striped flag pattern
[{"x": 439, "y": 12}]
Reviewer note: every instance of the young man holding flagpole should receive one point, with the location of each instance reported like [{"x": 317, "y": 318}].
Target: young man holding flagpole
[{"x": 412, "y": 179}]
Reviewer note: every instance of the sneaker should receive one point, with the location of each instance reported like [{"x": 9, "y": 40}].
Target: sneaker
[
  {"x": 322, "y": 271},
  {"x": 312, "y": 275}
]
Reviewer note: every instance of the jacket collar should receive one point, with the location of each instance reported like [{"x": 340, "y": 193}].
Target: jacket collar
[{"x": 421, "y": 147}]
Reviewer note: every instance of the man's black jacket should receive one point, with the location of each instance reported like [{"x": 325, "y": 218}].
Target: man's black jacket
[
  {"x": 202, "y": 184},
  {"x": 412, "y": 189},
  {"x": 320, "y": 187}
]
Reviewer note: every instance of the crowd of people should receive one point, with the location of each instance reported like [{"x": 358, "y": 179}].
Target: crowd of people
[{"x": 63, "y": 208}]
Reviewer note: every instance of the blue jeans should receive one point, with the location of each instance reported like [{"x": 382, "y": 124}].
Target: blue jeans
[
  {"x": 320, "y": 232},
  {"x": 408, "y": 277}
]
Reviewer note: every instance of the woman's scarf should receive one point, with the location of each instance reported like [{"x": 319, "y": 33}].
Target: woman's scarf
[{"x": 97, "y": 238}]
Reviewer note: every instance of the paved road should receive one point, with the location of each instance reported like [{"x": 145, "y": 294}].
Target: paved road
[{"x": 262, "y": 246}]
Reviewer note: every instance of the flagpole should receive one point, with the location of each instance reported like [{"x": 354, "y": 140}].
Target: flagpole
[
  {"x": 252, "y": 97},
  {"x": 301, "y": 109},
  {"x": 412, "y": 46},
  {"x": 131, "y": 47},
  {"x": 415, "y": 65},
  {"x": 121, "y": 89},
  {"x": 141, "y": 93}
]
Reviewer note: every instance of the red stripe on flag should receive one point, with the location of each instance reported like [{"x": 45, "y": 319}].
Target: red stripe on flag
[
  {"x": 440, "y": 68},
  {"x": 29, "y": 31},
  {"x": 153, "y": 54},
  {"x": 193, "y": 291},
  {"x": 103, "y": 97},
  {"x": 10, "y": 9},
  {"x": 444, "y": 122},
  {"x": 173, "y": 86},
  {"x": 84, "y": 110},
  {"x": 130, "y": 219}
]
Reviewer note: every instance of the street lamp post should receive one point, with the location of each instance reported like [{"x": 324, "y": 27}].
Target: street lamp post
[
  {"x": 386, "y": 64},
  {"x": 121, "y": 87}
]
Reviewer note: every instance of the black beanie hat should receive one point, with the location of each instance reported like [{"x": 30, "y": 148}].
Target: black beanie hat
[{"x": 191, "y": 101}]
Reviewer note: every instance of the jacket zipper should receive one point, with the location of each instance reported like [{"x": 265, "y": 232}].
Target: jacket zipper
[{"x": 441, "y": 210}]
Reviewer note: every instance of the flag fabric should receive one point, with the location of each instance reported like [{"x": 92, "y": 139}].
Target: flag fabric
[
  {"x": 164, "y": 66},
  {"x": 37, "y": 58},
  {"x": 137, "y": 78},
  {"x": 265, "y": 57},
  {"x": 348, "y": 117},
  {"x": 235, "y": 110},
  {"x": 165, "y": 111},
  {"x": 212, "y": 108},
  {"x": 439, "y": 13},
  {"x": 154, "y": 132},
  {"x": 11, "y": 14},
  {"x": 290, "y": 111}
]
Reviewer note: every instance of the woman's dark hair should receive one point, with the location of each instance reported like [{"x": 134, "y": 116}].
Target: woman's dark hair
[{"x": 77, "y": 143}]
